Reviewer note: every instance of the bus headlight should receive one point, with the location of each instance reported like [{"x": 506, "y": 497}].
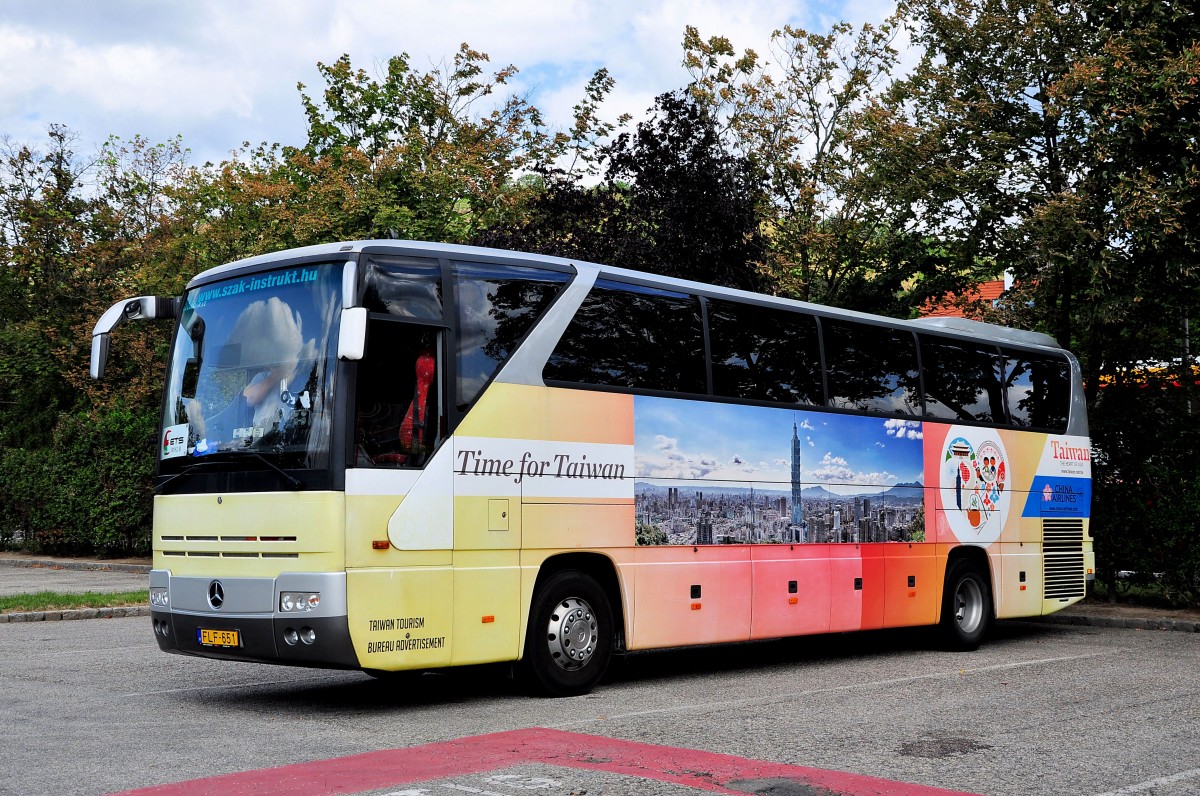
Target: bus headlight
[
  {"x": 158, "y": 597},
  {"x": 291, "y": 602}
]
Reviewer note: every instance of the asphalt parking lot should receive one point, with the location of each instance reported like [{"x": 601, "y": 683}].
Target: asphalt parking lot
[{"x": 1041, "y": 708}]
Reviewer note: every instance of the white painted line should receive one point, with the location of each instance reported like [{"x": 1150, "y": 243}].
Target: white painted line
[
  {"x": 469, "y": 789},
  {"x": 1151, "y": 784}
]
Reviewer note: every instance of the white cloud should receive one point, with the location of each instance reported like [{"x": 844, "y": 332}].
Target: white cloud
[
  {"x": 835, "y": 470},
  {"x": 666, "y": 461},
  {"x": 220, "y": 73},
  {"x": 903, "y": 429}
]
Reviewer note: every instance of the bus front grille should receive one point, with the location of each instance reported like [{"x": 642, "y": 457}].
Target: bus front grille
[
  {"x": 1062, "y": 559},
  {"x": 224, "y": 546}
]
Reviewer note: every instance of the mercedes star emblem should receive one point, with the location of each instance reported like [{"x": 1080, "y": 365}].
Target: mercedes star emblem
[{"x": 216, "y": 594}]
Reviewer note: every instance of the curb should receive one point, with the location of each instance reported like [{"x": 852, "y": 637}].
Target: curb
[
  {"x": 75, "y": 613},
  {"x": 1177, "y": 625},
  {"x": 82, "y": 566}
]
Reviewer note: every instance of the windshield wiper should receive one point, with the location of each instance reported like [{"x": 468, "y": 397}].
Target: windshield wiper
[
  {"x": 217, "y": 459},
  {"x": 292, "y": 481}
]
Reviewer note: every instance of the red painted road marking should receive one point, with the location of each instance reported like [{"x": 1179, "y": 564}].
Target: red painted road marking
[{"x": 397, "y": 767}]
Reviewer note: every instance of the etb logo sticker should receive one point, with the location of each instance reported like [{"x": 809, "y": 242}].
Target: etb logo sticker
[{"x": 174, "y": 441}]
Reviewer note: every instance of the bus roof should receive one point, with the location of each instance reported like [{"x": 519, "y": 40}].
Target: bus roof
[{"x": 957, "y": 326}]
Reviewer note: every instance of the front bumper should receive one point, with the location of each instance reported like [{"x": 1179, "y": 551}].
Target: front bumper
[{"x": 250, "y": 608}]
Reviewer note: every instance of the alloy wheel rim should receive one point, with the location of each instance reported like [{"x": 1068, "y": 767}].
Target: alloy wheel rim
[
  {"x": 968, "y": 606},
  {"x": 572, "y": 633}
]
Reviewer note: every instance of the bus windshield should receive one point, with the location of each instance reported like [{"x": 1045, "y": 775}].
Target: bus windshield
[{"x": 252, "y": 368}]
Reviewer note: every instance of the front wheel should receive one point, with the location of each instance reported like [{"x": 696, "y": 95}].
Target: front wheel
[
  {"x": 570, "y": 638},
  {"x": 966, "y": 606}
]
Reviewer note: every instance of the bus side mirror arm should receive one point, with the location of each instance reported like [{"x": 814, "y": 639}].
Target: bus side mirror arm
[{"x": 143, "y": 308}]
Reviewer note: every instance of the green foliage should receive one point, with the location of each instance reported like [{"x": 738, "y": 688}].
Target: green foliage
[
  {"x": 1147, "y": 488},
  {"x": 804, "y": 116},
  {"x": 649, "y": 534},
  {"x": 1054, "y": 140},
  {"x": 672, "y": 202},
  {"x": 89, "y": 491}
]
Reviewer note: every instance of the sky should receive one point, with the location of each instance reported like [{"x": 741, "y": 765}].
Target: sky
[{"x": 219, "y": 73}]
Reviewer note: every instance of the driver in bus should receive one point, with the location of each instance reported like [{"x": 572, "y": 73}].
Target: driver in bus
[{"x": 267, "y": 344}]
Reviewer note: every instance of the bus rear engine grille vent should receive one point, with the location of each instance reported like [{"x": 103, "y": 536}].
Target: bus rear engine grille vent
[{"x": 1062, "y": 559}]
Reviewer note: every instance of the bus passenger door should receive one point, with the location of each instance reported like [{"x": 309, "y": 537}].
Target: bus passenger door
[{"x": 399, "y": 577}]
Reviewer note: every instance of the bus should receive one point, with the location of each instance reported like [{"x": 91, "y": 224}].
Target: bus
[{"x": 398, "y": 456}]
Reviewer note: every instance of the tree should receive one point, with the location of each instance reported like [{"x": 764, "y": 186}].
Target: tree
[
  {"x": 672, "y": 201},
  {"x": 802, "y": 117},
  {"x": 1138, "y": 88},
  {"x": 1058, "y": 141},
  {"x": 43, "y": 221},
  {"x": 440, "y": 167}
]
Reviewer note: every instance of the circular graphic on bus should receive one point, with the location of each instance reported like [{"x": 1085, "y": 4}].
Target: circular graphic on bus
[{"x": 974, "y": 479}]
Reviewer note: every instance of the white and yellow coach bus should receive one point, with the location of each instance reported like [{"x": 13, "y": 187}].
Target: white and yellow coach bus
[{"x": 396, "y": 456}]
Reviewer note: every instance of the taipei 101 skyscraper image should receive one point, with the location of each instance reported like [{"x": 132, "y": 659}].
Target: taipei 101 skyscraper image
[{"x": 797, "y": 502}]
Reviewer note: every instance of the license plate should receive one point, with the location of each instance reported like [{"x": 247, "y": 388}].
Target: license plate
[{"x": 218, "y": 638}]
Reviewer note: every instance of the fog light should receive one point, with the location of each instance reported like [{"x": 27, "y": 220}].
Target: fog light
[
  {"x": 298, "y": 601},
  {"x": 308, "y": 635},
  {"x": 158, "y": 597},
  {"x": 290, "y": 637}
]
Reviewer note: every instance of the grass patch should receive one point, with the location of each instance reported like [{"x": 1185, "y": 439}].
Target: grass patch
[{"x": 56, "y": 601}]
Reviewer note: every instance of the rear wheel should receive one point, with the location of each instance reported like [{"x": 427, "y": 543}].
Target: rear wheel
[
  {"x": 966, "y": 606},
  {"x": 570, "y": 638}
]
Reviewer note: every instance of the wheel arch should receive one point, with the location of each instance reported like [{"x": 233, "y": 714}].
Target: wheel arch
[
  {"x": 978, "y": 558},
  {"x": 600, "y": 568}
]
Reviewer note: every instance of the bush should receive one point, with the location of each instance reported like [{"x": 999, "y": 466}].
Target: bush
[
  {"x": 1146, "y": 512},
  {"x": 90, "y": 492}
]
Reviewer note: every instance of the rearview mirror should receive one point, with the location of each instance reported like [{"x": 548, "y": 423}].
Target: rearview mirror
[
  {"x": 143, "y": 308},
  {"x": 352, "y": 337}
]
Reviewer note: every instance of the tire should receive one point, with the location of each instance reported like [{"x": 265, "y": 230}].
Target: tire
[
  {"x": 570, "y": 638},
  {"x": 966, "y": 606}
]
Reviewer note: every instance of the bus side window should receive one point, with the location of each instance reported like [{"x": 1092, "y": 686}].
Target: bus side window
[
  {"x": 764, "y": 354},
  {"x": 871, "y": 368},
  {"x": 399, "y": 405},
  {"x": 962, "y": 380},
  {"x": 1038, "y": 389},
  {"x": 497, "y": 306},
  {"x": 405, "y": 287},
  {"x": 634, "y": 337}
]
